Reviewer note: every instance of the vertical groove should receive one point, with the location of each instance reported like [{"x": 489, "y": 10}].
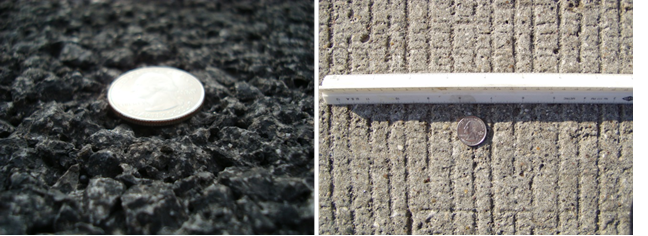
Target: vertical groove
[
  {"x": 351, "y": 187},
  {"x": 474, "y": 190},
  {"x": 353, "y": 223},
  {"x": 408, "y": 215},
  {"x": 474, "y": 167},
  {"x": 523, "y": 167},
  {"x": 427, "y": 144},
  {"x": 490, "y": 35},
  {"x": 450, "y": 182},
  {"x": 626, "y": 140},
  {"x": 513, "y": 40},
  {"x": 405, "y": 52},
  {"x": 369, "y": 127},
  {"x": 599, "y": 123},
  {"x": 600, "y": 40},
  {"x": 626, "y": 39},
  {"x": 618, "y": 6},
  {"x": 588, "y": 156},
  {"x": 349, "y": 49},
  {"x": 558, "y": 20},
  {"x": 331, "y": 170},
  {"x": 532, "y": 188},
  {"x": 581, "y": 31},
  {"x": 330, "y": 37},
  {"x": 370, "y": 14},
  {"x": 473, "y": 175},
  {"x": 524, "y": 36},
  {"x": 532, "y": 35},
  {"x": 578, "y": 36},
  {"x": 578, "y": 190},
  {"x": 580, "y": 179},
  {"x": 620, "y": 46},
  {"x": 389, "y": 182},
  {"x": 428, "y": 49},
  {"x": 428, "y": 43},
  {"x": 490, "y": 178},
  {"x": 381, "y": 170},
  {"x": 369, "y": 179},
  {"x": 348, "y": 33},
  {"x": 452, "y": 21},
  {"x": 492, "y": 124},
  {"x": 514, "y": 223},
  {"x": 387, "y": 54},
  {"x": 558, "y": 181},
  {"x": 513, "y": 134}
]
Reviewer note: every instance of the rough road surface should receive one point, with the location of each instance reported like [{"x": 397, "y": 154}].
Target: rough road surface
[
  {"x": 543, "y": 169},
  {"x": 242, "y": 165}
]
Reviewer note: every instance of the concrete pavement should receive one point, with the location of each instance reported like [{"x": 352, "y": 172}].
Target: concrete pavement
[{"x": 543, "y": 169}]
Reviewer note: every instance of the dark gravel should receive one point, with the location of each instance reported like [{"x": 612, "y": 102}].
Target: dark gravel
[{"x": 242, "y": 165}]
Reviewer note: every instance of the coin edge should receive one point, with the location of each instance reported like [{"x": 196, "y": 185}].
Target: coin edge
[{"x": 158, "y": 122}]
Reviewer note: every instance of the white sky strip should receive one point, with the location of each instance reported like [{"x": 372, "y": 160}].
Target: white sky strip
[{"x": 477, "y": 88}]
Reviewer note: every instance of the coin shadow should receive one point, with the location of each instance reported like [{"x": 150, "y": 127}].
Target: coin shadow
[
  {"x": 489, "y": 136},
  {"x": 493, "y": 112},
  {"x": 490, "y": 113}
]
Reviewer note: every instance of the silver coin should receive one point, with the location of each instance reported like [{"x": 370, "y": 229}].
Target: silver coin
[
  {"x": 156, "y": 95},
  {"x": 471, "y": 130}
]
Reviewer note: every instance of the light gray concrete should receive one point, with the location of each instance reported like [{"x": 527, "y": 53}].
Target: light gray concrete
[{"x": 543, "y": 169}]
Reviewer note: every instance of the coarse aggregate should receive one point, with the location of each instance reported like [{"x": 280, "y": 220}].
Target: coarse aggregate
[{"x": 244, "y": 164}]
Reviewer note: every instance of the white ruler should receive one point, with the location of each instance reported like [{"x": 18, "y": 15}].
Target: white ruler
[{"x": 477, "y": 88}]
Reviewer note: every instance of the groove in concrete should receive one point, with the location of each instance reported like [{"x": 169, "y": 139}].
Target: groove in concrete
[
  {"x": 568, "y": 172},
  {"x": 523, "y": 29},
  {"x": 609, "y": 33},
  {"x": 380, "y": 170},
  {"x": 397, "y": 177},
  {"x": 359, "y": 168},
  {"x": 545, "y": 164},
  {"x": 482, "y": 177},
  {"x": 608, "y": 165},
  {"x": 588, "y": 169},
  {"x": 326, "y": 222},
  {"x": 626, "y": 36},
  {"x": 417, "y": 48},
  {"x": 341, "y": 171},
  {"x": 523, "y": 177}
]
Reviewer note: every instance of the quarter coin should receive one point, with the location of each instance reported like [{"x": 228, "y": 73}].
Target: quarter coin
[
  {"x": 156, "y": 96},
  {"x": 471, "y": 130}
]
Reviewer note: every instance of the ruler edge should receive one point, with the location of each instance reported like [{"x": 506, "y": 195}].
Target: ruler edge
[{"x": 624, "y": 81}]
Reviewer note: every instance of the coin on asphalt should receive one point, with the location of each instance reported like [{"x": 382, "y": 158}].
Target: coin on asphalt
[
  {"x": 471, "y": 130},
  {"x": 156, "y": 96}
]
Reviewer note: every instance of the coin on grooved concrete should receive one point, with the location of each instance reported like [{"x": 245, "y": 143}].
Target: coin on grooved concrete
[
  {"x": 471, "y": 130},
  {"x": 156, "y": 96}
]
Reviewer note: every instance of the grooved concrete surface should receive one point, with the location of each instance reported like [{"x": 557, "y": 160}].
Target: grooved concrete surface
[{"x": 544, "y": 169}]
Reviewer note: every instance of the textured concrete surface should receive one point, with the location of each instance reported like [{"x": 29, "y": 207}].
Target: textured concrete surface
[{"x": 544, "y": 169}]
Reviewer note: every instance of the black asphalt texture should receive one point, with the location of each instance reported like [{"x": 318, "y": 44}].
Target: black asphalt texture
[{"x": 242, "y": 165}]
